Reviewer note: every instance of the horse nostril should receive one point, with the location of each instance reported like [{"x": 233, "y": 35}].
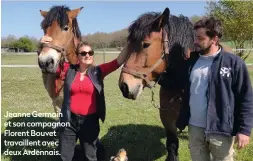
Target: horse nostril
[
  {"x": 46, "y": 64},
  {"x": 124, "y": 89},
  {"x": 49, "y": 63}
]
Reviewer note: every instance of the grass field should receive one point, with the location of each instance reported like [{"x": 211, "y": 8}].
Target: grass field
[
  {"x": 133, "y": 125},
  {"x": 32, "y": 59}
]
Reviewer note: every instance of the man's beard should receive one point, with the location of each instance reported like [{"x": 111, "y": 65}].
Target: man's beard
[{"x": 204, "y": 51}]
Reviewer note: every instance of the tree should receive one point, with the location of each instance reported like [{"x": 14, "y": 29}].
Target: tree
[
  {"x": 237, "y": 21},
  {"x": 34, "y": 40},
  {"x": 26, "y": 44},
  {"x": 23, "y": 43},
  {"x": 105, "y": 40},
  {"x": 195, "y": 18},
  {"x": 6, "y": 41}
]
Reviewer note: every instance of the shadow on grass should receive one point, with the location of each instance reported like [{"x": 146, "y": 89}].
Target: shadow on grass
[
  {"x": 142, "y": 142},
  {"x": 24, "y": 148}
]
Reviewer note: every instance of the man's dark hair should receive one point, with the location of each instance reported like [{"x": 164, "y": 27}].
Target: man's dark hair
[{"x": 212, "y": 25}]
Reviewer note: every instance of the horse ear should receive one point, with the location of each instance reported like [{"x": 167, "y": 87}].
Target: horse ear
[
  {"x": 73, "y": 13},
  {"x": 43, "y": 13},
  {"x": 162, "y": 20}
]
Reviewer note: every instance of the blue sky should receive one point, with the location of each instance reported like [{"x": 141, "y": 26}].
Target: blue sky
[{"x": 21, "y": 18}]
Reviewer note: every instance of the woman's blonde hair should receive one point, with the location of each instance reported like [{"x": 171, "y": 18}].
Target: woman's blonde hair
[{"x": 81, "y": 44}]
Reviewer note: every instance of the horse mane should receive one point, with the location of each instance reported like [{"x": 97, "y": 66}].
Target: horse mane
[
  {"x": 181, "y": 38},
  {"x": 59, "y": 13},
  {"x": 142, "y": 26},
  {"x": 180, "y": 30}
]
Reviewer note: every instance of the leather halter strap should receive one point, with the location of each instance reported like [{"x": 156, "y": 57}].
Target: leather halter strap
[{"x": 58, "y": 48}]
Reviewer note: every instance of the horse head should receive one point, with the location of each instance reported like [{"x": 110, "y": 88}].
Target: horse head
[
  {"x": 155, "y": 42},
  {"x": 60, "y": 23}
]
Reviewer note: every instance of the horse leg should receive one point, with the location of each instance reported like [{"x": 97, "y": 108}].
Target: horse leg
[
  {"x": 172, "y": 144},
  {"x": 57, "y": 104},
  {"x": 49, "y": 84},
  {"x": 168, "y": 113}
]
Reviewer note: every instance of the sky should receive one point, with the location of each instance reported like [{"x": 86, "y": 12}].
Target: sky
[{"x": 21, "y": 18}]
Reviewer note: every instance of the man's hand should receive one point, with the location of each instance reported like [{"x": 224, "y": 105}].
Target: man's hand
[{"x": 241, "y": 140}]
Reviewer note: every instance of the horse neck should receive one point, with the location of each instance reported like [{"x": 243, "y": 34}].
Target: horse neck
[{"x": 71, "y": 53}]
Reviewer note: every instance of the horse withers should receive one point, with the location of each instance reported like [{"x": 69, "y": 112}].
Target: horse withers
[
  {"x": 158, "y": 43},
  {"x": 61, "y": 24}
]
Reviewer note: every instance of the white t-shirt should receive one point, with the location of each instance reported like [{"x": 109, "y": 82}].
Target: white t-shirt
[{"x": 198, "y": 89}]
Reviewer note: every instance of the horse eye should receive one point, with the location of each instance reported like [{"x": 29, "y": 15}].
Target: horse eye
[
  {"x": 146, "y": 45},
  {"x": 65, "y": 28}
]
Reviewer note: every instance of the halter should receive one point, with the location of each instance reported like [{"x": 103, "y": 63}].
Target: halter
[
  {"x": 144, "y": 75},
  {"x": 59, "y": 49}
]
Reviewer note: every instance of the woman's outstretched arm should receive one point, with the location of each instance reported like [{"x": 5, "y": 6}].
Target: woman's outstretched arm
[{"x": 109, "y": 67}]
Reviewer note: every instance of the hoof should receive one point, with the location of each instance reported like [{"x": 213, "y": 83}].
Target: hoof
[{"x": 173, "y": 158}]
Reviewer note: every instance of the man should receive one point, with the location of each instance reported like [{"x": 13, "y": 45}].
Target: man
[{"x": 218, "y": 101}]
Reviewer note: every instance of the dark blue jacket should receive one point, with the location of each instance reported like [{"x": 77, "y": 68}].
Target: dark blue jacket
[
  {"x": 229, "y": 95},
  {"x": 94, "y": 73}
]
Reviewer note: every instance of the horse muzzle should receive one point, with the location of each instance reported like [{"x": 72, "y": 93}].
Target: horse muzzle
[
  {"x": 48, "y": 64},
  {"x": 130, "y": 92}
]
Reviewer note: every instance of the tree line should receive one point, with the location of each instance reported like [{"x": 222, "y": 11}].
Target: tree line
[
  {"x": 25, "y": 43},
  {"x": 236, "y": 17},
  {"x": 98, "y": 40}
]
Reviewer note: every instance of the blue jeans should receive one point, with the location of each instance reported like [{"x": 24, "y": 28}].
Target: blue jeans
[{"x": 86, "y": 129}]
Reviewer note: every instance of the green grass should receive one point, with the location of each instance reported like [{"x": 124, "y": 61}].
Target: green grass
[
  {"x": 133, "y": 125},
  {"x": 19, "y": 59},
  {"x": 32, "y": 59},
  {"x": 249, "y": 59}
]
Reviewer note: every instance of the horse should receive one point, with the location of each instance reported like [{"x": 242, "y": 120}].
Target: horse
[
  {"x": 157, "y": 44},
  {"x": 61, "y": 24}
]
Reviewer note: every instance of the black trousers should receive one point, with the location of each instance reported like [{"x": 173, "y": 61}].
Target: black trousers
[{"x": 86, "y": 129}]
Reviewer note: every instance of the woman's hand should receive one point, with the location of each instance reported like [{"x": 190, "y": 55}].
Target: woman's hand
[
  {"x": 123, "y": 55},
  {"x": 44, "y": 40}
]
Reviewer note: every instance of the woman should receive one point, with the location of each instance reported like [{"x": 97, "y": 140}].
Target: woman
[{"x": 84, "y": 102}]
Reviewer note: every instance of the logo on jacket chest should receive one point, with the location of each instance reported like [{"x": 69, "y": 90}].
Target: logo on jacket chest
[{"x": 225, "y": 72}]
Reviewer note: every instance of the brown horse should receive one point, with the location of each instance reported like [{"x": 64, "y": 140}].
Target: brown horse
[
  {"x": 158, "y": 43},
  {"x": 159, "y": 46},
  {"x": 60, "y": 23}
]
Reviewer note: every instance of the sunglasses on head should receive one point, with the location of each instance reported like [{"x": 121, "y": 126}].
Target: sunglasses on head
[{"x": 83, "y": 53}]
